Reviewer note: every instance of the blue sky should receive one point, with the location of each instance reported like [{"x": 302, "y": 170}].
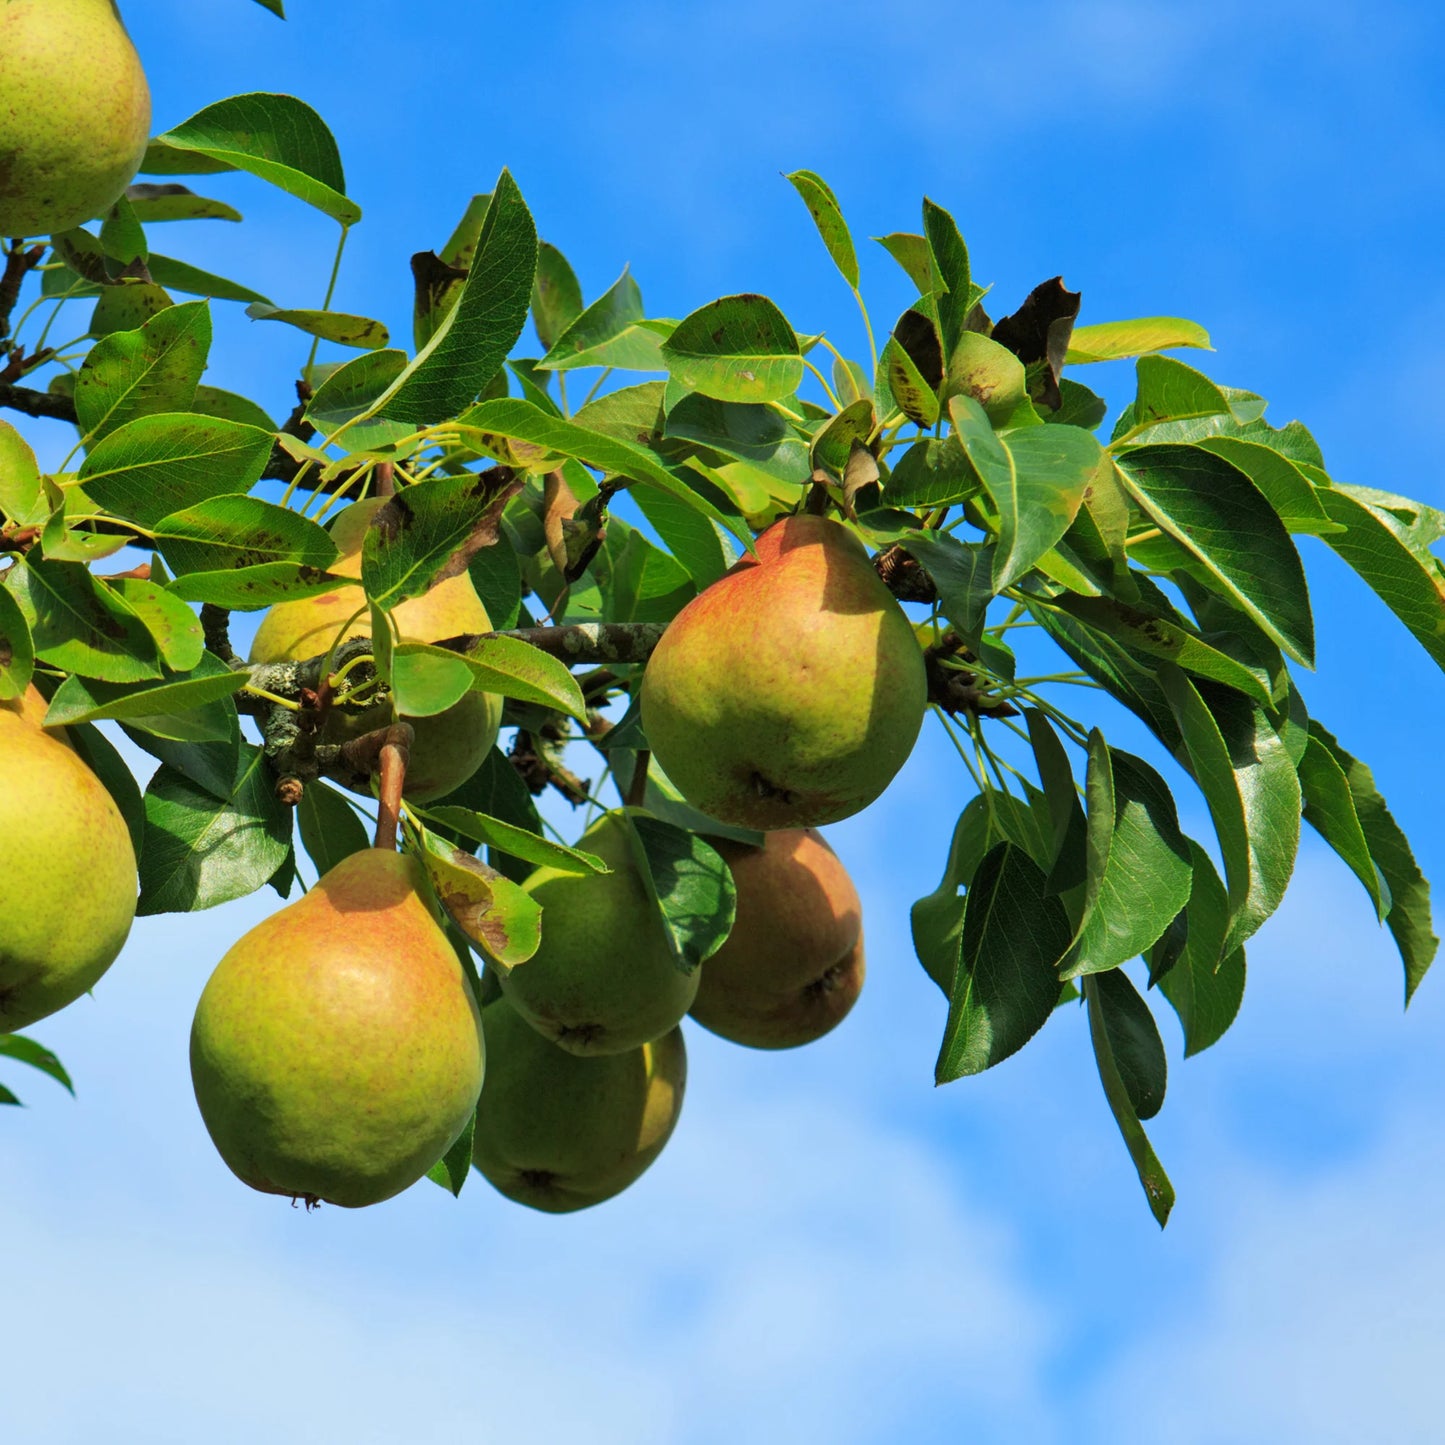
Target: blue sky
[{"x": 830, "y": 1249}]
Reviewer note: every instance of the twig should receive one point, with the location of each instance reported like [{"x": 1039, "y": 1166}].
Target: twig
[
  {"x": 391, "y": 765},
  {"x": 29, "y": 402},
  {"x": 216, "y": 626},
  {"x": 578, "y": 643},
  {"x": 19, "y": 262},
  {"x": 637, "y": 788}
]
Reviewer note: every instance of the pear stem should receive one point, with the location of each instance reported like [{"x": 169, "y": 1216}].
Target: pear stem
[{"x": 391, "y": 765}]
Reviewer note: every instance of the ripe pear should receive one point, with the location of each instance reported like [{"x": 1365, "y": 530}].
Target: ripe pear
[
  {"x": 603, "y": 980},
  {"x": 67, "y": 870},
  {"x": 792, "y": 966},
  {"x": 559, "y": 1132},
  {"x": 449, "y": 746},
  {"x": 337, "y": 1049},
  {"x": 789, "y": 692},
  {"x": 75, "y": 113}
]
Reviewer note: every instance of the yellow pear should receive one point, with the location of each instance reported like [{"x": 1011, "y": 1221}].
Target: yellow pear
[
  {"x": 75, "y": 113},
  {"x": 67, "y": 870},
  {"x": 559, "y": 1132},
  {"x": 449, "y": 746},
  {"x": 789, "y": 692},
  {"x": 337, "y": 1049},
  {"x": 792, "y": 966},
  {"x": 603, "y": 980}
]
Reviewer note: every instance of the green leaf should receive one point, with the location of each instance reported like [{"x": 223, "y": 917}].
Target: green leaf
[
  {"x": 27, "y": 1051},
  {"x": 1218, "y": 515},
  {"x": 695, "y": 542},
  {"x": 345, "y": 330},
  {"x": 1014, "y": 933},
  {"x": 151, "y": 204},
  {"x": 1205, "y": 988},
  {"x": 98, "y": 753},
  {"x": 738, "y": 348},
  {"x": 693, "y": 886},
  {"x": 79, "y": 624},
  {"x": 1115, "y": 340},
  {"x": 912, "y": 252},
  {"x": 989, "y": 373},
  {"x": 600, "y": 334},
  {"x": 515, "y": 841},
  {"x": 248, "y": 589},
  {"x": 1407, "y": 580},
  {"x": 236, "y": 532},
  {"x": 1078, "y": 406},
  {"x": 937, "y": 918},
  {"x": 22, "y": 497},
  {"x": 1134, "y": 1041},
  {"x": 349, "y": 391},
  {"x": 330, "y": 829},
  {"x": 1329, "y": 808},
  {"x": 156, "y": 465},
  {"x": 498, "y": 916},
  {"x": 513, "y": 668},
  {"x": 175, "y": 629},
  {"x": 556, "y": 295},
  {"x": 212, "y": 766},
  {"x": 1168, "y": 637},
  {"x": 931, "y": 473},
  {"x": 1157, "y": 1188},
  {"x": 1168, "y": 390},
  {"x": 278, "y": 138},
  {"x": 452, "y": 1169},
  {"x": 174, "y": 709},
  {"x": 1037, "y": 479},
  {"x": 963, "y": 574},
  {"x": 469, "y": 346},
  {"x": 425, "y": 685},
  {"x": 1069, "y": 842},
  {"x": 827, "y": 216},
  {"x": 138, "y": 373},
  {"x": 201, "y": 850},
  {"x": 17, "y": 651},
  {"x": 512, "y": 417},
  {"x": 1285, "y": 486},
  {"x": 212, "y": 401},
  {"x": 414, "y": 539},
  {"x": 956, "y": 292},
  {"x": 276, "y": 7},
  {"x": 1409, "y": 918},
  {"x": 181, "y": 276},
  {"x": 1252, "y": 791},
  {"x": 837, "y": 439},
  {"x": 747, "y": 432},
  {"x": 498, "y": 582},
  {"x": 163, "y": 159}
]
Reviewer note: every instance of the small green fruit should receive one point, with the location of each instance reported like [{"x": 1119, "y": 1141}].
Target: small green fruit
[
  {"x": 792, "y": 967},
  {"x": 449, "y": 746},
  {"x": 337, "y": 1049},
  {"x": 791, "y": 691},
  {"x": 603, "y": 980},
  {"x": 559, "y": 1132},
  {"x": 67, "y": 870},
  {"x": 75, "y": 113}
]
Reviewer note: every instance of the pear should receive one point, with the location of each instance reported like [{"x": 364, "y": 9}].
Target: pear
[
  {"x": 792, "y": 966},
  {"x": 337, "y": 1049},
  {"x": 789, "y": 692},
  {"x": 449, "y": 746},
  {"x": 559, "y": 1132},
  {"x": 75, "y": 113},
  {"x": 603, "y": 980},
  {"x": 67, "y": 870}
]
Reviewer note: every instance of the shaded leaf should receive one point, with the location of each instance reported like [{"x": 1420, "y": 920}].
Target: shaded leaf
[
  {"x": 1005, "y": 988},
  {"x": 693, "y": 887},
  {"x": 1134, "y": 1041},
  {"x": 17, "y": 651},
  {"x": 330, "y": 828}
]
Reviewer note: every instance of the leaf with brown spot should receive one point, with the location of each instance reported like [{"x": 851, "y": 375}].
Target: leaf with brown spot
[{"x": 497, "y": 915}]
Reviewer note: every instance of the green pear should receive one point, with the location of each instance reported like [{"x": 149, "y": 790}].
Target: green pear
[
  {"x": 792, "y": 966},
  {"x": 559, "y": 1132},
  {"x": 337, "y": 1049},
  {"x": 75, "y": 113},
  {"x": 603, "y": 980},
  {"x": 449, "y": 746},
  {"x": 789, "y": 692},
  {"x": 67, "y": 870}
]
